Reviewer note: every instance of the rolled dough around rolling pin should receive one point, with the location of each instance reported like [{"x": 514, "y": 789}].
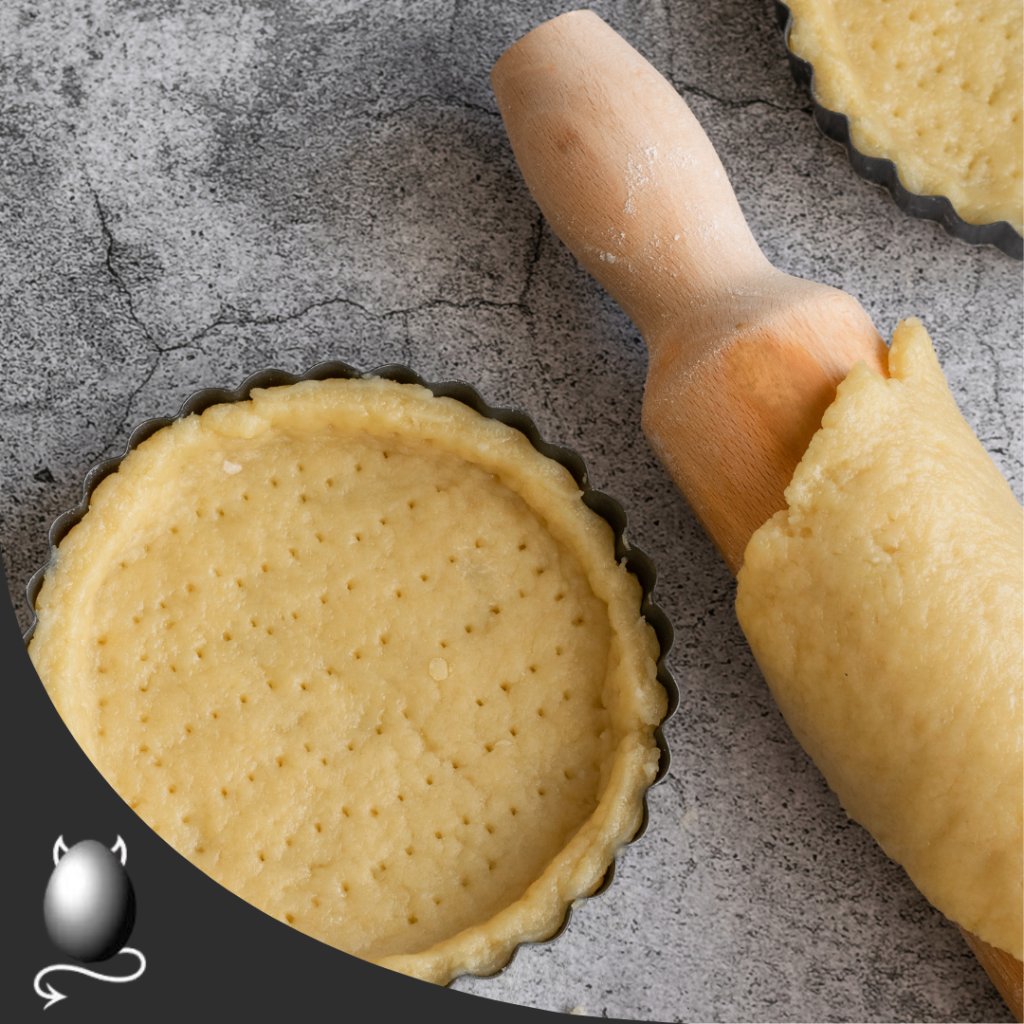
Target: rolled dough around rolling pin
[{"x": 884, "y": 608}]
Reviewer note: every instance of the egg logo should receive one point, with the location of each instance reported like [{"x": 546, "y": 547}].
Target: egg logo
[{"x": 89, "y": 911}]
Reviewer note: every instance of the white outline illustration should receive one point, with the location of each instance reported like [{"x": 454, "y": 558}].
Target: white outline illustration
[
  {"x": 49, "y": 993},
  {"x": 119, "y": 845},
  {"x": 59, "y": 849}
]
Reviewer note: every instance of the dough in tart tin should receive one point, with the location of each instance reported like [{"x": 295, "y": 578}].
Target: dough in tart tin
[
  {"x": 422, "y": 771},
  {"x": 934, "y": 86}
]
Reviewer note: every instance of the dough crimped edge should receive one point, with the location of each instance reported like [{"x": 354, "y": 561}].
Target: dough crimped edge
[
  {"x": 942, "y": 100},
  {"x": 636, "y": 700},
  {"x": 884, "y": 607}
]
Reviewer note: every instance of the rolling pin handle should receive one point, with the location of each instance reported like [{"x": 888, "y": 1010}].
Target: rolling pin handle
[{"x": 744, "y": 359}]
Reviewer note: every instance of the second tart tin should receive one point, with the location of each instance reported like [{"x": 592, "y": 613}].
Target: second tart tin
[
  {"x": 635, "y": 560},
  {"x": 880, "y": 171}
]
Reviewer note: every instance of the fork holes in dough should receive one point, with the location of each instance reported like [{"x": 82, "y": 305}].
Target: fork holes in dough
[{"x": 448, "y": 778}]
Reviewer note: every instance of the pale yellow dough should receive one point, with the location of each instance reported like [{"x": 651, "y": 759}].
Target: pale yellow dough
[
  {"x": 934, "y": 85},
  {"x": 885, "y": 610},
  {"x": 365, "y": 658}
]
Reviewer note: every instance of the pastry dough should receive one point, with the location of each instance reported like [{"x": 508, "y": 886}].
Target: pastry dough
[
  {"x": 364, "y": 657},
  {"x": 933, "y": 85},
  {"x": 884, "y": 608}
]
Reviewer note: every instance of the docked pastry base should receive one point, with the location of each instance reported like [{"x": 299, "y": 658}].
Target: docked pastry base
[{"x": 252, "y": 688}]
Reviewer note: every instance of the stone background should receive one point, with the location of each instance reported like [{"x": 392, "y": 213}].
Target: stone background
[{"x": 196, "y": 189}]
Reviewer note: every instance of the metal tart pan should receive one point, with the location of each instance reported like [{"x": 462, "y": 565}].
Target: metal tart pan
[
  {"x": 636, "y": 561},
  {"x": 880, "y": 171}
]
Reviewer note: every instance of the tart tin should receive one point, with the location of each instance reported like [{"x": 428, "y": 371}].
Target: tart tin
[
  {"x": 636, "y": 561},
  {"x": 880, "y": 171}
]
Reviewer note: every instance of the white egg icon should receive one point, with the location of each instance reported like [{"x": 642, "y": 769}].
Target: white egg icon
[{"x": 89, "y": 906}]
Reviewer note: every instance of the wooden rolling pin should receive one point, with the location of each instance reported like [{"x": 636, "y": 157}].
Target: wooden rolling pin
[{"x": 744, "y": 359}]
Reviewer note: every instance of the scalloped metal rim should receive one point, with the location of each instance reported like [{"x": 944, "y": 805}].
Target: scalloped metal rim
[
  {"x": 880, "y": 171},
  {"x": 636, "y": 561}
]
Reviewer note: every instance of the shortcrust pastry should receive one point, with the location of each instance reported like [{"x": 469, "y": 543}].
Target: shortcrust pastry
[
  {"x": 933, "y": 85},
  {"x": 884, "y": 607},
  {"x": 365, "y": 658}
]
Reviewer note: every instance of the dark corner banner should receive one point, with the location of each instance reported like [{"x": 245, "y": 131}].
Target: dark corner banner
[{"x": 193, "y": 950}]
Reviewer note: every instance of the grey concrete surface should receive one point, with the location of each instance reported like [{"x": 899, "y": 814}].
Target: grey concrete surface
[{"x": 196, "y": 189}]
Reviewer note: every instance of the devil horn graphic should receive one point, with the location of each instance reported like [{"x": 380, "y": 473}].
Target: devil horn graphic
[
  {"x": 119, "y": 845},
  {"x": 59, "y": 848}
]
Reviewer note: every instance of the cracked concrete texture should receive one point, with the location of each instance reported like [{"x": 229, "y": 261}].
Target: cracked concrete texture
[{"x": 194, "y": 191}]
